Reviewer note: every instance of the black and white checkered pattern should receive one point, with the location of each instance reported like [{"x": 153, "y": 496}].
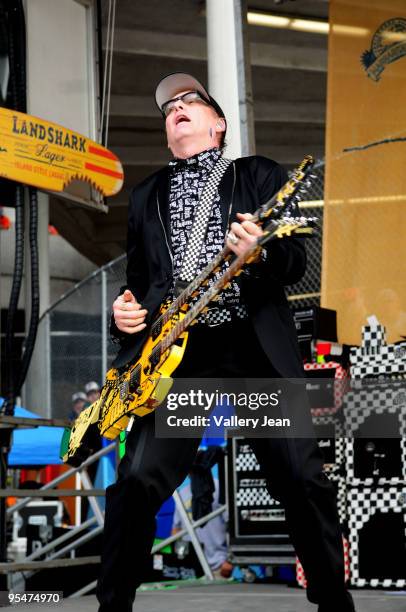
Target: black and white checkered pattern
[
  {"x": 187, "y": 180},
  {"x": 254, "y": 513},
  {"x": 340, "y": 487},
  {"x": 394, "y": 353},
  {"x": 374, "y": 370},
  {"x": 253, "y": 496},
  {"x": 246, "y": 462},
  {"x": 364, "y": 503},
  {"x": 217, "y": 316},
  {"x": 384, "y": 360},
  {"x": 197, "y": 235},
  {"x": 361, "y": 404},
  {"x": 374, "y": 398},
  {"x": 373, "y": 336}
]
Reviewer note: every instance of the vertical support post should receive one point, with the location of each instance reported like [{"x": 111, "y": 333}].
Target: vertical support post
[
  {"x": 78, "y": 501},
  {"x": 103, "y": 323},
  {"x": 36, "y": 389},
  {"x": 192, "y": 534},
  {"x": 48, "y": 371},
  {"x": 229, "y": 70},
  {"x": 93, "y": 501},
  {"x": 5, "y": 443},
  {"x": 1, "y": 284}
]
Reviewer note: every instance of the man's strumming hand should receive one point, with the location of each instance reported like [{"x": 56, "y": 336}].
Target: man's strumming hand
[
  {"x": 244, "y": 234},
  {"x": 129, "y": 316}
]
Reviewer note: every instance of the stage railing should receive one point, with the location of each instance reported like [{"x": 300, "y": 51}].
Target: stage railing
[{"x": 30, "y": 565}]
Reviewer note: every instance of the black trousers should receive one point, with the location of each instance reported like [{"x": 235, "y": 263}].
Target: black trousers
[{"x": 152, "y": 468}]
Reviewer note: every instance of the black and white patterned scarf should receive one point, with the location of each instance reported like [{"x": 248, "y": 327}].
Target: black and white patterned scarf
[{"x": 187, "y": 179}]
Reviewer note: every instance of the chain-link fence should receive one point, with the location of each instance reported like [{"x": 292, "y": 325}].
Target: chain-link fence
[
  {"x": 78, "y": 324},
  {"x": 307, "y": 291}
]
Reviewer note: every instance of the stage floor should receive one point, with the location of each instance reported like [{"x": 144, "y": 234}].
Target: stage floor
[{"x": 231, "y": 596}]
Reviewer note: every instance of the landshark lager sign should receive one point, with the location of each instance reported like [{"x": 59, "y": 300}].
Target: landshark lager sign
[{"x": 48, "y": 156}]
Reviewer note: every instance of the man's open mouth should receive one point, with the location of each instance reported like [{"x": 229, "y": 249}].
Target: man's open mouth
[{"x": 181, "y": 118}]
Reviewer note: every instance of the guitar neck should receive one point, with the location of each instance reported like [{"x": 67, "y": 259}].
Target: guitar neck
[
  {"x": 274, "y": 230},
  {"x": 233, "y": 269}
]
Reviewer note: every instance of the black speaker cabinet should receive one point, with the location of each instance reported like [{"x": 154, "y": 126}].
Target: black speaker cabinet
[
  {"x": 326, "y": 386},
  {"x": 377, "y": 536},
  {"x": 257, "y": 526},
  {"x": 375, "y": 429}
]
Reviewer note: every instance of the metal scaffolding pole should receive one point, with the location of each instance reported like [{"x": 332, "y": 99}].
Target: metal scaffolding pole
[
  {"x": 229, "y": 69},
  {"x": 104, "y": 323}
]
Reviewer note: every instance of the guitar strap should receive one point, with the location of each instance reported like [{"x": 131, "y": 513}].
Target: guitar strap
[{"x": 200, "y": 223}]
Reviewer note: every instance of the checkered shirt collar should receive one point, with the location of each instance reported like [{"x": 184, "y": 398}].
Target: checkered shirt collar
[{"x": 204, "y": 159}]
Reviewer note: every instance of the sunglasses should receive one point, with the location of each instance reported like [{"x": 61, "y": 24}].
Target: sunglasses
[{"x": 187, "y": 98}]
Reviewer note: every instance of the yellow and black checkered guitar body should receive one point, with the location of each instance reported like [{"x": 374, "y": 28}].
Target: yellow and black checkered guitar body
[{"x": 136, "y": 390}]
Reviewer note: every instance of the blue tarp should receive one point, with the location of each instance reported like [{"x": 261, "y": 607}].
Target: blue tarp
[{"x": 37, "y": 446}]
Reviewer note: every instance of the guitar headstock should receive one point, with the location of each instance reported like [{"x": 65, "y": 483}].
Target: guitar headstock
[
  {"x": 301, "y": 177},
  {"x": 289, "y": 226}
]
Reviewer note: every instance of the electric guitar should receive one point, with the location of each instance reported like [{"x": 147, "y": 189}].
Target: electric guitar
[{"x": 144, "y": 384}]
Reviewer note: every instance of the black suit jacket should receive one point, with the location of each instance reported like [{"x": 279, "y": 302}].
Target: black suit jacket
[{"x": 247, "y": 183}]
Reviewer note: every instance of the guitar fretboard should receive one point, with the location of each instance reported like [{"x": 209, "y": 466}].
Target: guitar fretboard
[{"x": 280, "y": 228}]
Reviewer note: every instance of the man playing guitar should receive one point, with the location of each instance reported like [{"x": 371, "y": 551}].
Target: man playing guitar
[{"x": 249, "y": 333}]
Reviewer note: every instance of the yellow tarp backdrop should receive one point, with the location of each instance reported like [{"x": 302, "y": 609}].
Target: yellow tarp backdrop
[{"x": 364, "y": 236}]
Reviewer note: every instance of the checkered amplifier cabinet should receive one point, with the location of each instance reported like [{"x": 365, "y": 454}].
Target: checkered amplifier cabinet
[
  {"x": 329, "y": 431},
  {"x": 340, "y": 487},
  {"x": 375, "y": 433},
  {"x": 326, "y": 387},
  {"x": 377, "y": 536},
  {"x": 375, "y": 358},
  {"x": 373, "y": 337},
  {"x": 257, "y": 526}
]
